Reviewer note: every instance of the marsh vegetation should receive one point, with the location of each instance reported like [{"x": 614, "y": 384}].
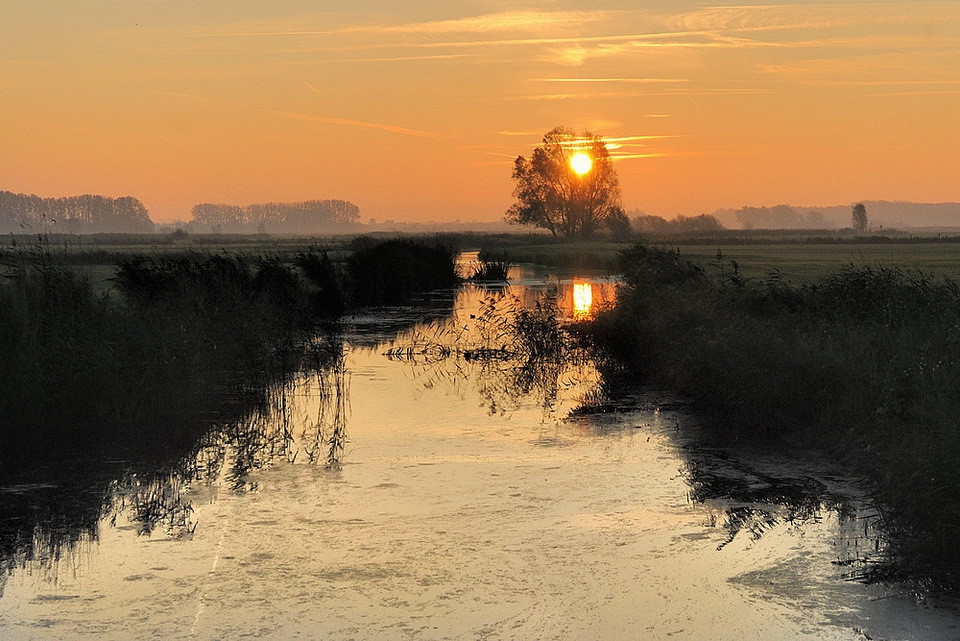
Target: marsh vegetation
[
  {"x": 860, "y": 365},
  {"x": 177, "y": 337}
]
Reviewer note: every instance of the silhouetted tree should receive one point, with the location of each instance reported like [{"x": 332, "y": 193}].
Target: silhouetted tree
[
  {"x": 552, "y": 195},
  {"x": 859, "y": 218},
  {"x": 618, "y": 224}
]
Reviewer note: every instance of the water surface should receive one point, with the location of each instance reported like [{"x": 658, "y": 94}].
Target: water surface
[{"x": 430, "y": 481}]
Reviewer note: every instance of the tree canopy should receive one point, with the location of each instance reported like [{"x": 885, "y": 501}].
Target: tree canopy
[
  {"x": 859, "y": 218},
  {"x": 567, "y": 186}
]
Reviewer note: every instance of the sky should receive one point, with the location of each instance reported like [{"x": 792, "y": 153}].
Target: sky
[{"x": 415, "y": 110}]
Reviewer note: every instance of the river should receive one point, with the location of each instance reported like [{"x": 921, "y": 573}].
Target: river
[{"x": 430, "y": 481}]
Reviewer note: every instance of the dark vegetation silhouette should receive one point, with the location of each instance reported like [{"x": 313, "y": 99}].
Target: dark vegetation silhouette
[
  {"x": 389, "y": 272},
  {"x": 863, "y": 364},
  {"x": 551, "y": 195},
  {"x": 491, "y": 271},
  {"x": 180, "y": 338},
  {"x": 858, "y": 218},
  {"x": 87, "y": 214}
]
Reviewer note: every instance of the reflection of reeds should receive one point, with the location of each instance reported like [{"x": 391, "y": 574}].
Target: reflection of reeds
[
  {"x": 158, "y": 502},
  {"x": 510, "y": 351},
  {"x": 329, "y": 432}
]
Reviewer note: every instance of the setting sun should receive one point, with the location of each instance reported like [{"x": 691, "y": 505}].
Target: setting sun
[{"x": 581, "y": 163}]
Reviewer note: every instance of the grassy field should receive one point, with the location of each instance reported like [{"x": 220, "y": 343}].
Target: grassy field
[
  {"x": 793, "y": 256},
  {"x": 797, "y": 257},
  {"x": 808, "y": 262}
]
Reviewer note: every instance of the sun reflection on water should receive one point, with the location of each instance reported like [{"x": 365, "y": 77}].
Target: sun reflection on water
[{"x": 582, "y": 300}]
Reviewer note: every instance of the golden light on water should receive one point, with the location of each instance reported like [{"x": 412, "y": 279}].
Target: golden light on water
[
  {"x": 582, "y": 300},
  {"x": 581, "y": 163}
]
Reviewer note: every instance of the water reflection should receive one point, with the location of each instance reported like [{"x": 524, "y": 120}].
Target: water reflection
[
  {"x": 511, "y": 350},
  {"x": 505, "y": 348},
  {"x": 753, "y": 499},
  {"x": 582, "y": 301},
  {"x": 302, "y": 414}
]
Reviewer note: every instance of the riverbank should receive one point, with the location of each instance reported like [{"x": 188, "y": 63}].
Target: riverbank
[
  {"x": 139, "y": 371},
  {"x": 862, "y": 365}
]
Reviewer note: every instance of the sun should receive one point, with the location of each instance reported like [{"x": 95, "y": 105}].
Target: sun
[{"x": 581, "y": 163}]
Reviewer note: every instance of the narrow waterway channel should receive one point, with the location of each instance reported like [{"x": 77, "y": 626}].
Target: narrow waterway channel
[{"x": 433, "y": 481}]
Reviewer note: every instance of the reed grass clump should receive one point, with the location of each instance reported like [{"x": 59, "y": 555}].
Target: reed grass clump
[
  {"x": 863, "y": 365},
  {"x": 490, "y": 271},
  {"x": 392, "y": 271}
]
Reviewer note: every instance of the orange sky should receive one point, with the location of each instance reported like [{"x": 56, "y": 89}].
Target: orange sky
[{"x": 415, "y": 110}]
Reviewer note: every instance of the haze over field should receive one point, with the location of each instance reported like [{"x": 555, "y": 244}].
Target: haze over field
[{"x": 415, "y": 111}]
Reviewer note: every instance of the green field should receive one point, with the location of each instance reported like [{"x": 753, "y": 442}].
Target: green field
[
  {"x": 797, "y": 258},
  {"x": 807, "y": 262},
  {"x": 794, "y": 257}
]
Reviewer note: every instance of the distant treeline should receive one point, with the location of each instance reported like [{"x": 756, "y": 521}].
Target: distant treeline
[
  {"x": 786, "y": 217},
  {"x": 22, "y": 213},
  {"x": 308, "y": 217},
  {"x": 882, "y": 214},
  {"x": 656, "y": 225},
  {"x": 91, "y": 214}
]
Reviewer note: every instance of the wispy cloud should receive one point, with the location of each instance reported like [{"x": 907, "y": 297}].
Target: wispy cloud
[
  {"x": 607, "y": 95},
  {"x": 821, "y": 17},
  {"x": 292, "y": 115},
  {"x": 501, "y": 22},
  {"x": 614, "y": 80},
  {"x": 401, "y": 58},
  {"x": 406, "y": 131},
  {"x": 491, "y": 23}
]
